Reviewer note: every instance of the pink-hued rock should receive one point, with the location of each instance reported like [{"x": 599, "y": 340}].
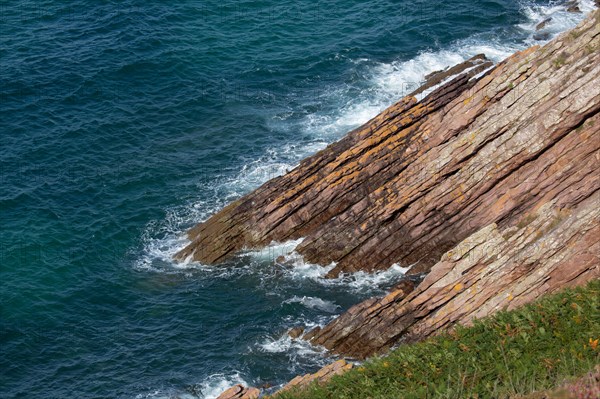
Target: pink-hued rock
[
  {"x": 325, "y": 374},
  {"x": 422, "y": 176},
  {"x": 240, "y": 392},
  {"x": 490, "y": 184}
]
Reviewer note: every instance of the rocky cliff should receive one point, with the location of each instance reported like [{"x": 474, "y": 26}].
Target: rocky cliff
[{"x": 490, "y": 184}]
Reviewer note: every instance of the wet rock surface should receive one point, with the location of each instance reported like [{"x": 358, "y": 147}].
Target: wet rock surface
[
  {"x": 302, "y": 381},
  {"x": 542, "y": 24},
  {"x": 472, "y": 66},
  {"x": 296, "y": 332}
]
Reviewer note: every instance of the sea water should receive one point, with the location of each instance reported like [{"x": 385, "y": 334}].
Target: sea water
[{"x": 123, "y": 123}]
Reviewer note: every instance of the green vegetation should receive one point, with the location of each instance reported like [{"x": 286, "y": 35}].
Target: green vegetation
[
  {"x": 513, "y": 353},
  {"x": 574, "y": 34},
  {"x": 560, "y": 60},
  {"x": 526, "y": 221}
]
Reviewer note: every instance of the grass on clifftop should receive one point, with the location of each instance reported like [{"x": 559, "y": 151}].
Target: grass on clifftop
[{"x": 513, "y": 353}]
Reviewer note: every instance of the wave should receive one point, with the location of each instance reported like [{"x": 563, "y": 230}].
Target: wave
[
  {"x": 388, "y": 82},
  {"x": 215, "y": 384},
  {"x": 363, "y": 281},
  {"x": 286, "y": 344},
  {"x": 210, "y": 388},
  {"x": 557, "y": 18},
  {"x": 314, "y": 303}
]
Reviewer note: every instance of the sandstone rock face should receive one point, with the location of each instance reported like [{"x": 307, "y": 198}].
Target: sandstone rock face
[
  {"x": 240, "y": 392},
  {"x": 296, "y": 332},
  {"x": 474, "y": 65},
  {"x": 302, "y": 381},
  {"x": 547, "y": 236},
  {"x": 421, "y": 177},
  {"x": 490, "y": 184},
  {"x": 321, "y": 376},
  {"x": 494, "y": 268}
]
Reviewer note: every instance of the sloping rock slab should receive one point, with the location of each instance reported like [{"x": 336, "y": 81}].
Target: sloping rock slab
[{"x": 421, "y": 177}]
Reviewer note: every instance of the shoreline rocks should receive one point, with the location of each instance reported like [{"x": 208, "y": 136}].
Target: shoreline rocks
[
  {"x": 543, "y": 24},
  {"x": 422, "y": 176},
  {"x": 296, "y": 332},
  {"x": 325, "y": 374},
  {"x": 472, "y": 67},
  {"x": 492, "y": 269},
  {"x": 240, "y": 392},
  {"x": 548, "y": 242},
  {"x": 573, "y": 6},
  {"x": 338, "y": 367},
  {"x": 489, "y": 186}
]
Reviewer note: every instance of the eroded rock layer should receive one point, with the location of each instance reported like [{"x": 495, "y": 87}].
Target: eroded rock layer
[
  {"x": 491, "y": 184},
  {"x": 495, "y": 268},
  {"x": 423, "y": 176},
  {"x": 240, "y": 392},
  {"x": 323, "y": 375},
  {"x": 544, "y": 212}
]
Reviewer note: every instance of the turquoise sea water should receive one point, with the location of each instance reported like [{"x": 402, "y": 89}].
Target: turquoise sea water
[{"x": 124, "y": 123}]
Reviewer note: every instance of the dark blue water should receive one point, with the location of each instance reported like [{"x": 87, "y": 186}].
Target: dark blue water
[{"x": 124, "y": 123}]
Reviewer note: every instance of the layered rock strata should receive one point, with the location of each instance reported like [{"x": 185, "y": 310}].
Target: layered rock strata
[
  {"x": 325, "y": 374},
  {"x": 490, "y": 185},
  {"x": 494, "y": 268},
  {"x": 240, "y": 392},
  {"x": 422, "y": 176},
  {"x": 338, "y": 367}
]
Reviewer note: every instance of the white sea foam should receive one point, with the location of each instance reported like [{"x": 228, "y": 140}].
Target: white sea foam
[
  {"x": 314, "y": 303},
  {"x": 388, "y": 82},
  {"x": 560, "y": 19},
  {"x": 210, "y": 388},
  {"x": 286, "y": 344},
  {"x": 215, "y": 384},
  {"x": 275, "y": 250},
  {"x": 361, "y": 282},
  {"x": 301, "y": 270},
  {"x": 295, "y": 268},
  {"x": 292, "y": 268},
  {"x": 162, "y": 240}
]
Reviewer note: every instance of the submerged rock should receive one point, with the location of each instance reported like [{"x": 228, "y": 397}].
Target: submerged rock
[
  {"x": 573, "y": 6},
  {"x": 542, "y": 36},
  {"x": 543, "y": 24},
  {"x": 312, "y": 333},
  {"x": 296, "y": 332}
]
